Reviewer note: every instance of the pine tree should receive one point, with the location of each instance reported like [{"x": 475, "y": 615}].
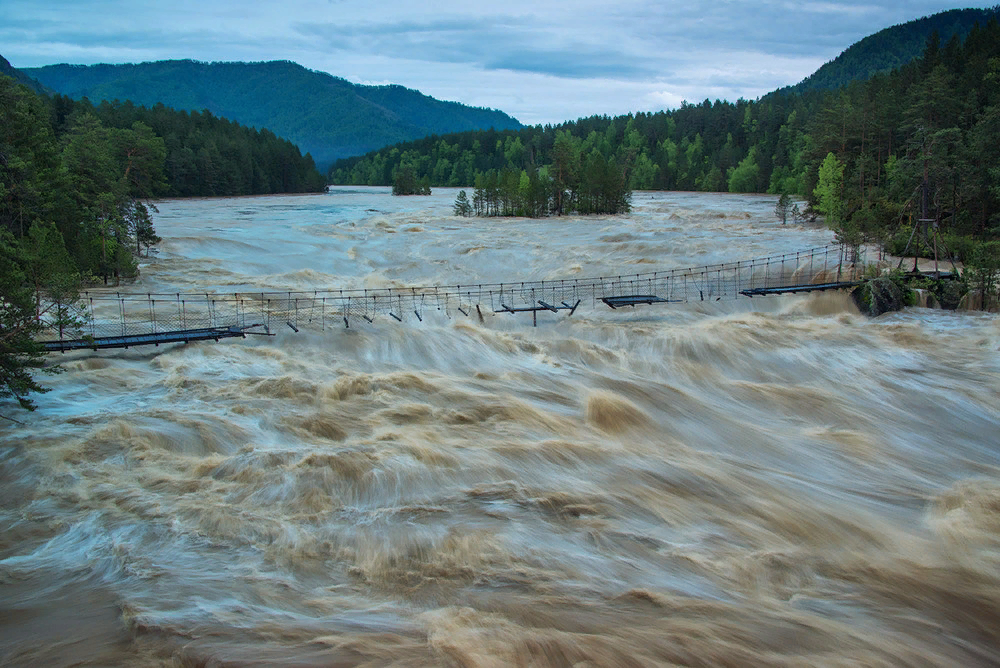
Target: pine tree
[
  {"x": 462, "y": 205},
  {"x": 19, "y": 322},
  {"x": 782, "y": 208}
]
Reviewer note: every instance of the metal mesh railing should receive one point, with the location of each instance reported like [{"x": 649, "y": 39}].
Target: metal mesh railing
[{"x": 121, "y": 314}]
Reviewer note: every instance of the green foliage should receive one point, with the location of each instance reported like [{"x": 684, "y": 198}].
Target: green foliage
[
  {"x": 29, "y": 158},
  {"x": 984, "y": 272},
  {"x": 19, "y": 354},
  {"x": 828, "y": 191},
  {"x": 744, "y": 178}
]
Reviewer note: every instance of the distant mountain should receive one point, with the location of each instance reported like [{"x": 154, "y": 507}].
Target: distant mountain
[
  {"x": 6, "y": 69},
  {"x": 893, "y": 47},
  {"x": 327, "y": 116}
]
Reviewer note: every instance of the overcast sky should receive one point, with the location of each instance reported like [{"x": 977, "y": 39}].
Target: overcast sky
[{"x": 540, "y": 61}]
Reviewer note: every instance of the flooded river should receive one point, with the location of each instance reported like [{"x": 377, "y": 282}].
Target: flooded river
[{"x": 777, "y": 481}]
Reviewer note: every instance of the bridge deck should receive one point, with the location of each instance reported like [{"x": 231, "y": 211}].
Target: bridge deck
[
  {"x": 178, "y": 336},
  {"x": 616, "y": 301},
  {"x": 782, "y": 289}
]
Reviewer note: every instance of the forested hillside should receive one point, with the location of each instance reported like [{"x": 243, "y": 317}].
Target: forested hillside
[
  {"x": 8, "y": 71},
  {"x": 893, "y": 47},
  {"x": 76, "y": 181},
  {"x": 873, "y": 138},
  {"x": 205, "y": 155},
  {"x": 326, "y": 116},
  {"x": 77, "y": 188}
]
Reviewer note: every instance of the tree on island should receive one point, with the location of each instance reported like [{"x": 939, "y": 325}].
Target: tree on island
[
  {"x": 407, "y": 183},
  {"x": 783, "y": 207},
  {"x": 462, "y": 205}
]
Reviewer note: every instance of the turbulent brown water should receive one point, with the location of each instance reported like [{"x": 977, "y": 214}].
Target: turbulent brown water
[{"x": 769, "y": 482}]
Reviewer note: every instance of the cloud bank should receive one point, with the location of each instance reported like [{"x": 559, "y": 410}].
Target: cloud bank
[{"x": 540, "y": 62}]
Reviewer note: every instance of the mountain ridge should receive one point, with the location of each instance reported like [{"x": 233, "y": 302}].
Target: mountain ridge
[
  {"x": 892, "y": 47},
  {"x": 6, "y": 69},
  {"x": 327, "y": 116}
]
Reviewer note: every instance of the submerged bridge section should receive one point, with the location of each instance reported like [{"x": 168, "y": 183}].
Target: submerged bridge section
[{"x": 120, "y": 320}]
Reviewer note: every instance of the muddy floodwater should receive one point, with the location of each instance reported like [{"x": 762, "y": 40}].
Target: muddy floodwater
[{"x": 778, "y": 481}]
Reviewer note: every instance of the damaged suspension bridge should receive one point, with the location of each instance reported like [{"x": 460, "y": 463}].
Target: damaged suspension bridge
[{"x": 120, "y": 320}]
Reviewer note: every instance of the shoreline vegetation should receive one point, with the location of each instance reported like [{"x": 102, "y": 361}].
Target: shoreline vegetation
[{"x": 78, "y": 185}]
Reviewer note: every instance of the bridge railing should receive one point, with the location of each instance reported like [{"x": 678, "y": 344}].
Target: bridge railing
[{"x": 125, "y": 314}]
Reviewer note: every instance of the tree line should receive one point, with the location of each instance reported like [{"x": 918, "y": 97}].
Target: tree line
[
  {"x": 326, "y": 115},
  {"x": 207, "y": 155}
]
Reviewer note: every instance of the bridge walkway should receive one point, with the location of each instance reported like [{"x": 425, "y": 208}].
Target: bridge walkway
[{"x": 121, "y": 320}]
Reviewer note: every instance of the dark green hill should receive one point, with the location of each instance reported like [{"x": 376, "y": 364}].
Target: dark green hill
[
  {"x": 893, "y": 47},
  {"x": 325, "y": 115},
  {"x": 7, "y": 70}
]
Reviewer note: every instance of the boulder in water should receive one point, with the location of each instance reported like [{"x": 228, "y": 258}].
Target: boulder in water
[{"x": 879, "y": 295}]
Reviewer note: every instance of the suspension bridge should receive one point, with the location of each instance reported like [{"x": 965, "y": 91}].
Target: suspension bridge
[{"x": 120, "y": 320}]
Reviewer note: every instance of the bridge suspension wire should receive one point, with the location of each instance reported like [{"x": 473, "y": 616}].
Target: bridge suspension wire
[{"x": 126, "y": 315}]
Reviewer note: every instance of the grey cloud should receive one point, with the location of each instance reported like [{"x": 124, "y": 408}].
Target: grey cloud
[
  {"x": 597, "y": 58},
  {"x": 574, "y": 63},
  {"x": 764, "y": 27},
  {"x": 493, "y": 43}
]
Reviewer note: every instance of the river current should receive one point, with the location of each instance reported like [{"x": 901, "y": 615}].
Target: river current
[{"x": 778, "y": 481}]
